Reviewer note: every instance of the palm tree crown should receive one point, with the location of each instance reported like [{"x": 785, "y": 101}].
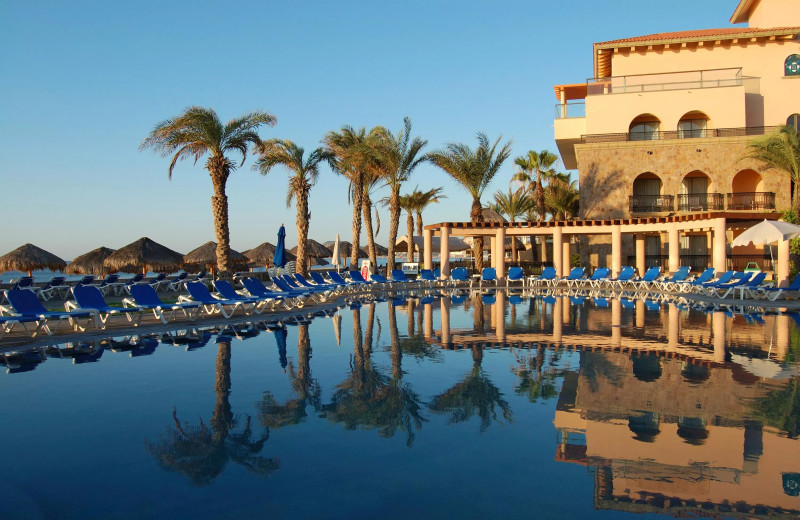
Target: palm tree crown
[
  {"x": 538, "y": 165},
  {"x": 198, "y": 131},
  {"x": 780, "y": 150}
]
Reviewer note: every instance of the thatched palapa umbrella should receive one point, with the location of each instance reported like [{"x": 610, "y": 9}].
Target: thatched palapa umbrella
[
  {"x": 29, "y": 257},
  {"x": 206, "y": 256},
  {"x": 315, "y": 250},
  {"x": 263, "y": 255},
  {"x": 90, "y": 263},
  {"x": 346, "y": 248},
  {"x": 382, "y": 251},
  {"x": 145, "y": 254}
]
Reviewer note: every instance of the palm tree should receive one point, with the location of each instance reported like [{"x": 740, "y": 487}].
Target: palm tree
[
  {"x": 371, "y": 180},
  {"x": 407, "y": 203},
  {"x": 304, "y": 173},
  {"x": 352, "y": 154},
  {"x": 780, "y": 150},
  {"x": 197, "y": 132},
  {"x": 399, "y": 157},
  {"x": 562, "y": 197},
  {"x": 514, "y": 204},
  {"x": 539, "y": 164},
  {"x": 422, "y": 200},
  {"x": 474, "y": 170}
]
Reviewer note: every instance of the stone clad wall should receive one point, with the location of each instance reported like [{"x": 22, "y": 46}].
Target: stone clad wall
[{"x": 607, "y": 171}]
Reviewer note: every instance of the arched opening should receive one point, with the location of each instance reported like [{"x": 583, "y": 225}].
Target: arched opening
[
  {"x": 646, "y": 368},
  {"x": 748, "y": 192},
  {"x": 692, "y": 430},
  {"x": 645, "y": 127},
  {"x": 645, "y": 426},
  {"x": 696, "y": 193},
  {"x": 646, "y": 197},
  {"x": 695, "y": 374},
  {"x": 693, "y": 124},
  {"x": 794, "y": 121}
]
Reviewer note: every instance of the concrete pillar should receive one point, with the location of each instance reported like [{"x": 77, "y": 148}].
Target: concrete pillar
[
  {"x": 720, "y": 256},
  {"x": 718, "y": 328},
  {"x": 563, "y": 104},
  {"x": 641, "y": 264},
  {"x": 500, "y": 312},
  {"x": 565, "y": 252},
  {"x": 640, "y": 314},
  {"x": 493, "y": 251},
  {"x": 673, "y": 327},
  {"x": 427, "y": 244},
  {"x": 781, "y": 336},
  {"x": 557, "y": 324},
  {"x": 616, "y": 322},
  {"x": 616, "y": 250},
  {"x": 782, "y": 270},
  {"x": 558, "y": 251},
  {"x": 543, "y": 246},
  {"x": 674, "y": 243},
  {"x": 445, "y": 319},
  {"x": 427, "y": 326},
  {"x": 444, "y": 251},
  {"x": 500, "y": 263}
]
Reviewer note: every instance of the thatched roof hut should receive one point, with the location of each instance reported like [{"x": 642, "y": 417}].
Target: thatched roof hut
[
  {"x": 315, "y": 250},
  {"x": 91, "y": 262},
  {"x": 490, "y": 215},
  {"x": 345, "y": 249},
  {"x": 144, "y": 254},
  {"x": 205, "y": 256},
  {"x": 263, "y": 255},
  {"x": 29, "y": 257},
  {"x": 382, "y": 251}
]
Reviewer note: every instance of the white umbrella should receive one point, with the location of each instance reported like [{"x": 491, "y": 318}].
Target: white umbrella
[
  {"x": 336, "y": 253},
  {"x": 767, "y": 232}
]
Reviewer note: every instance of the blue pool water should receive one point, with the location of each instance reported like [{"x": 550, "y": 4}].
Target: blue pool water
[{"x": 436, "y": 406}]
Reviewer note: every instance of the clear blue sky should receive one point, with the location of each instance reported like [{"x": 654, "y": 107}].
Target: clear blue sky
[{"x": 84, "y": 82}]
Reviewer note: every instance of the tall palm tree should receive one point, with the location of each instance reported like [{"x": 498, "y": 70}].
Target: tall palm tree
[
  {"x": 197, "y": 132},
  {"x": 538, "y": 165},
  {"x": 474, "y": 170},
  {"x": 372, "y": 178},
  {"x": 352, "y": 154},
  {"x": 399, "y": 157},
  {"x": 780, "y": 150},
  {"x": 304, "y": 174},
  {"x": 514, "y": 204},
  {"x": 407, "y": 203},
  {"x": 425, "y": 199},
  {"x": 562, "y": 197}
]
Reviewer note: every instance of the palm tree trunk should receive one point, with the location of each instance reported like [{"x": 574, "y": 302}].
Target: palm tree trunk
[
  {"x": 397, "y": 354},
  {"x": 368, "y": 333},
  {"x": 302, "y": 231},
  {"x": 419, "y": 233},
  {"x": 303, "y": 357},
  {"x": 219, "y": 207},
  {"x": 222, "y": 418},
  {"x": 410, "y": 224},
  {"x": 358, "y": 192},
  {"x": 394, "y": 226},
  {"x": 366, "y": 204},
  {"x": 796, "y": 198},
  {"x": 476, "y": 217},
  {"x": 540, "y": 194}
]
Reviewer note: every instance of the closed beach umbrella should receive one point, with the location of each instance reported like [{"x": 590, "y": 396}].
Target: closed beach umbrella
[
  {"x": 206, "y": 255},
  {"x": 29, "y": 257},
  {"x": 90, "y": 263},
  {"x": 280, "y": 339},
  {"x": 336, "y": 252},
  {"x": 314, "y": 249},
  {"x": 337, "y": 328},
  {"x": 144, "y": 254},
  {"x": 279, "y": 258}
]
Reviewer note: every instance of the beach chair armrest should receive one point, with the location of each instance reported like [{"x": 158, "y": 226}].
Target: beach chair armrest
[
  {"x": 183, "y": 298},
  {"x": 128, "y": 302},
  {"x": 70, "y": 306}
]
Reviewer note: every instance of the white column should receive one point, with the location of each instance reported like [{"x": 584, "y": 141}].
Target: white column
[
  {"x": 718, "y": 328},
  {"x": 444, "y": 251},
  {"x": 500, "y": 263},
  {"x": 427, "y": 244},
  {"x": 720, "y": 258},
  {"x": 616, "y": 250},
  {"x": 674, "y": 241},
  {"x": 565, "y": 250},
  {"x": 500, "y": 312},
  {"x": 641, "y": 265},
  {"x": 558, "y": 251},
  {"x": 616, "y": 322},
  {"x": 782, "y": 271},
  {"x": 445, "y": 317}
]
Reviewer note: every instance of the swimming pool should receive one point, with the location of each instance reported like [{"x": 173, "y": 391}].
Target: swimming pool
[{"x": 440, "y": 405}]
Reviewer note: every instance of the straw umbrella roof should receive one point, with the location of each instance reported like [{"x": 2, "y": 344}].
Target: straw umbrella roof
[
  {"x": 207, "y": 254},
  {"x": 345, "y": 249},
  {"x": 382, "y": 251},
  {"x": 90, "y": 263},
  {"x": 264, "y": 253},
  {"x": 316, "y": 250},
  {"x": 144, "y": 254},
  {"x": 490, "y": 215},
  {"x": 30, "y": 257}
]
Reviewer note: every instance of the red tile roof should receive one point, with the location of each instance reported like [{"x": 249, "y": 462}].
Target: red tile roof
[{"x": 702, "y": 34}]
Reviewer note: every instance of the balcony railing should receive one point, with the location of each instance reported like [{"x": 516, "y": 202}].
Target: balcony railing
[
  {"x": 668, "y": 135},
  {"x": 651, "y": 203},
  {"x": 693, "y": 79},
  {"x": 701, "y": 201},
  {"x": 756, "y": 200},
  {"x": 569, "y": 110}
]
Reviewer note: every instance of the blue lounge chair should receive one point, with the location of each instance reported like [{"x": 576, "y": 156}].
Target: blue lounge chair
[
  {"x": 515, "y": 274},
  {"x": 625, "y": 275},
  {"x": 25, "y": 304},
  {"x": 177, "y": 283},
  {"x": 488, "y": 298},
  {"x": 459, "y": 275},
  {"x": 158, "y": 281},
  {"x": 110, "y": 283},
  {"x": 90, "y": 298},
  {"x": 725, "y": 277},
  {"x": 773, "y": 293},
  {"x": 255, "y": 288},
  {"x": 57, "y": 286},
  {"x": 548, "y": 275},
  {"x": 379, "y": 278},
  {"x": 649, "y": 278},
  {"x": 426, "y": 275},
  {"x": 133, "y": 280},
  {"x": 599, "y": 277},
  {"x": 748, "y": 281},
  {"x": 679, "y": 276},
  {"x": 574, "y": 277},
  {"x": 400, "y": 277},
  {"x": 337, "y": 279},
  {"x": 144, "y": 297},
  {"x": 489, "y": 274},
  {"x": 576, "y": 300},
  {"x": 198, "y": 292},
  {"x": 24, "y": 282},
  {"x": 515, "y": 299},
  {"x": 226, "y": 290},
  {"x": 7, "y": 323},
  {"x": 688, "y": 285},
  {"x": 458, "y": 299},
  {"x": 325, "y": 285},
  {"x": 287, "y": 290},
  {"x": 355, "y": 277},
  {"x": 600, "y": 302}
]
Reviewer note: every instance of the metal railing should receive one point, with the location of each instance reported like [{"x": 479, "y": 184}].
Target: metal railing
[
  {"x": 684, "y": 134},
  {"x": 693, "y": 79},
  {"x": 756, "y": 200},
  {"x": 696, "y": 262},
  {"x": 701, "y": 201},
  {"x": 570, "y": 110},
  {"x": 651, "y": 203},
  {"x": 740, "y": 262}
]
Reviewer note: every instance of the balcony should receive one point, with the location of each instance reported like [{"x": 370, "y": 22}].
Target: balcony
[
  {"x": 567, "y": 110},
  {"x": 694, "y": 79},
  {"x": 667, "y": 135},
  {"x": 701, "y": 201},
  {"x": 752, "y": 201},
  {"x": 651, "y": 203}
]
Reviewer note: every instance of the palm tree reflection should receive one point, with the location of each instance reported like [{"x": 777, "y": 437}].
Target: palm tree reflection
[
  {"x": 536, "y": 380},
  {"x": 201, "y": 452}
]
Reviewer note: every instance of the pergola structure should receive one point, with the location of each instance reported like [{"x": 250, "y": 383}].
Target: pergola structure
[{"x": 714, "y": 223}]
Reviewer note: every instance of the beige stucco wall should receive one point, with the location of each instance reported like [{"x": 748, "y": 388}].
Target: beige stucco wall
[
  {"x": 779, "y": 96},
  {"x": 607, "y": 171},
  {"x": 775, "y": 13}
]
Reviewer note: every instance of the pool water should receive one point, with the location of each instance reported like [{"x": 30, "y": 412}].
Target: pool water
[{"x": 450, "y": 405}]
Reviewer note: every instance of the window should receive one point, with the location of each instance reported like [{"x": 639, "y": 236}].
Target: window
[
  {"x": 791, "y": 67},
  {"x": 688, "y": 128},
  {"x": 644, "y": 131},
  {"x": 794, "y": 122}
]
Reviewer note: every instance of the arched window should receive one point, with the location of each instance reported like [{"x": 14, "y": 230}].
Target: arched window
[
  {"x": 644, "y": 128},
  {"x": 794, "y": 121},
  {"x": 791, "y": 67},
  {"x": 693, "y": 124}
]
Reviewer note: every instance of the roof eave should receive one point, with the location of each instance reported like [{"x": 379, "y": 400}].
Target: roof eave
[{"x": 742, "y": 12}]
